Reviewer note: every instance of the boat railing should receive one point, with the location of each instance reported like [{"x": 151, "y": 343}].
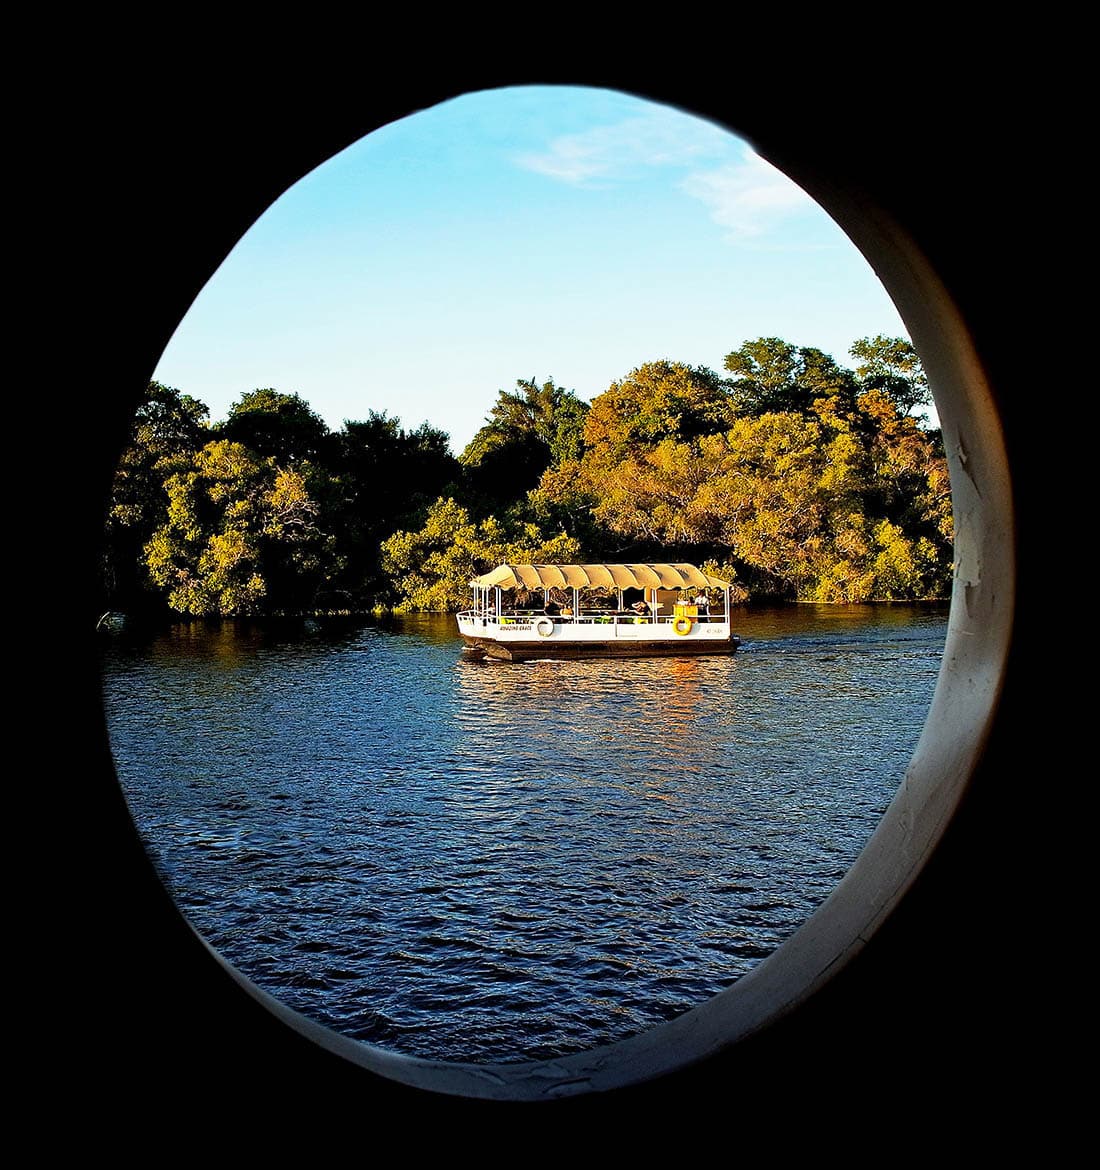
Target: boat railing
[{"x": 628, "y": 619}]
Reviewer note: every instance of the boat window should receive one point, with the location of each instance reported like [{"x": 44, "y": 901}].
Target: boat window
[{"x": 512, "y": 840}]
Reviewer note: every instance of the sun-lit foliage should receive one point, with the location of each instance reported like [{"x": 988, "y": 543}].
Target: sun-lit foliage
[
  {"x": 834, "y": 494},
  {"x": 791, "y": 475},
  {"x": 432, "y": 568},
  {"x": 891, "y": 366},
  {"x": 239, "y": 535}
]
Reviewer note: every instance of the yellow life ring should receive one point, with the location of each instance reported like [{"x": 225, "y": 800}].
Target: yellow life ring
[
  {"x": 544, "y": 627},
  {"x": 682, "y": 626}
]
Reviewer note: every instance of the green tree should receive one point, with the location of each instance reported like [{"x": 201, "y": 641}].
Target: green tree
[
  {"x": 528, "y": 430},
  {"x": 771, "y": 375},
  {"x": 167, "y": 430},
  {"x": 432, "y": 567},
  {"x": 279, "y": 426},
  {"x": 388, "y": 478},
  {"x": 891, "y": 366},
  {"x": 240, "y": 536}
]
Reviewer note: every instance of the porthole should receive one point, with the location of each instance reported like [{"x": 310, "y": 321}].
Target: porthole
[{"x": 961, "y": 713}]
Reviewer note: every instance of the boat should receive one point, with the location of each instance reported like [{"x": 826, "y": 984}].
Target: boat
[{"x": 524, "y": 612}]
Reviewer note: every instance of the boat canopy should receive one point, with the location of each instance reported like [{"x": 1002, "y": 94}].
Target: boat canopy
[{"x": 679, "y": 576}]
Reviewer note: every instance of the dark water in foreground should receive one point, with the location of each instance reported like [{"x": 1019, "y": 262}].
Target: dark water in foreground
[{"x": 497, "y": 862}]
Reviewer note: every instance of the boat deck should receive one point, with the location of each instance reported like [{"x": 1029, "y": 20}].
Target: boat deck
[
  {"x": 586, "y": 613},
  {"x": 525, "y": 636}
]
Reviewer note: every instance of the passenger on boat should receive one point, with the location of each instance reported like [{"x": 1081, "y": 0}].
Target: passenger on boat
[
  {"x": 552, "y": 609},
  {"x": 702, "y": 603},
  {"x": 640, "y": 607}
]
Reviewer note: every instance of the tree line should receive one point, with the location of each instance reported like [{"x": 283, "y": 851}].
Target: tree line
[{"x": 792, "y": 476}]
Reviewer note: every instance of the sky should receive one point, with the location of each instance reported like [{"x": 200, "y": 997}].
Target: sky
[{"x": 534, "y": 232}]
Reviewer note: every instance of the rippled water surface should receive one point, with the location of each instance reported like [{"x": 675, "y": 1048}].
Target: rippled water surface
[{"x": 497, "y": 862}]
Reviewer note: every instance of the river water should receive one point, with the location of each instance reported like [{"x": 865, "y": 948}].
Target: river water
[{"x": 498, "y": 862}]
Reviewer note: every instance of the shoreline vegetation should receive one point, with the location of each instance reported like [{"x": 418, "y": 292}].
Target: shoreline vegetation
[{"x": 789, "y": 475}]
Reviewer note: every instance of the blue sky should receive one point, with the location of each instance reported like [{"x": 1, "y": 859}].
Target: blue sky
[{"x": 542, "y": 232}]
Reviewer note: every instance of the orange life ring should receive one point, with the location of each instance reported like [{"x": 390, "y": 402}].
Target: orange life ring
[{"x": 682, "y": 626}]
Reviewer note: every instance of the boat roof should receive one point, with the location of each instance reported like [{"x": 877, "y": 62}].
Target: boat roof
[{"x": 679, "y": 576}]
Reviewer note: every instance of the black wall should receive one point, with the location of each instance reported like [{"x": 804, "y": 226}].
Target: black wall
[{"x": 152, "y": 175}]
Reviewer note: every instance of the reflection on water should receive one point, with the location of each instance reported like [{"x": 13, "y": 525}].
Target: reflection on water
[{"x": 486, "y": 861}]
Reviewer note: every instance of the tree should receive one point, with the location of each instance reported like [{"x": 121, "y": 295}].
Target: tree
[
  {"x": 528, "y": 430},
  {"x": 771, "y": 375},
  {"x": 387, "y": 472},
  {"x": 840, "y": 498},
  {"x": 279, "y": 426},
  {"x": 657, "y": 401},
  {"x": 891, "y": 366},
  {"x": 432, "y": 567},
  {"x": 641, "y": 441},
  {"x": 168, "y": 428},
  {"x": 240, "y": 536},
  {"x": 388, "y": 477}
]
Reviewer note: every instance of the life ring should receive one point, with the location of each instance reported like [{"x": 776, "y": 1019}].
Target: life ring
[
  {"x": 682, "y": 626},
  {"x": 544, "y": 627}
]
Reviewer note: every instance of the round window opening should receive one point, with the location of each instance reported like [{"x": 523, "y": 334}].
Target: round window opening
[{"x": 580, "y": 870}]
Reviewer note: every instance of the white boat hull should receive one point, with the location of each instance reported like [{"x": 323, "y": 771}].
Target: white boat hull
[{"x": 520, "y": 639}]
